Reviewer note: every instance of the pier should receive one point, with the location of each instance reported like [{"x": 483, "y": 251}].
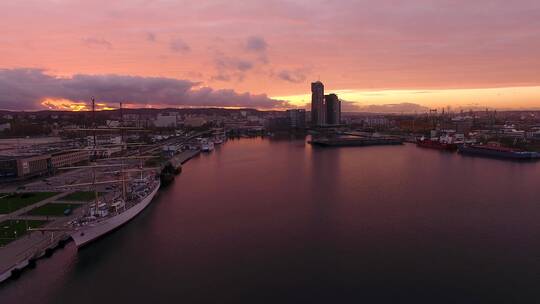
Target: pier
[
  {"x": 36, "y": 243},
  {"x": 355, "y": 141},
  {"x": 184, "y": 156},
  {"x": 173, "y": 165}
]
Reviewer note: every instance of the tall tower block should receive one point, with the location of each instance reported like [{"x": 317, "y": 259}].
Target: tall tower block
[{"x": 318, "y": 109}]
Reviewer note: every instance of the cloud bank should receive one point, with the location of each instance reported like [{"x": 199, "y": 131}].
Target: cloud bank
[{"x": 26, "y": 89}]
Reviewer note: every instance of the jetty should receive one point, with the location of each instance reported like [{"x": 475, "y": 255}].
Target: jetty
[
  {"x": 34, "y": 231},
  {"x": 355, "y": 141}
]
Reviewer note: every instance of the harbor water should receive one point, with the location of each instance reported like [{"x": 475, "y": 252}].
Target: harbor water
[{"x": 279, "y": 221}]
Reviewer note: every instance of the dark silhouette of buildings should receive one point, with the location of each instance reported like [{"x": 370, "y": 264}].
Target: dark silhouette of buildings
[
  {"x": 325, "y": 109},
  {"x": 277, "y": 124},
  {"x": 297, "y": 118},
  {"x": 333, "y": 109},
  {"x": 318, "y": 111}
]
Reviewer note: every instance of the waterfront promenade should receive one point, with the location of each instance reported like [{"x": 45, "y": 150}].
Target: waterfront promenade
[
  {"x": 18, "y": 253},
  {"x": 21, "y": 252}
]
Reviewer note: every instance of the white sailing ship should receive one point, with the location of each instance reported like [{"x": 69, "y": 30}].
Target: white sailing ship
[
  {"x": 105, "y": 215},
  {"x": 103, "y": 218}
]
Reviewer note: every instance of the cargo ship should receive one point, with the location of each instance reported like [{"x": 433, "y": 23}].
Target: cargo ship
[
  {"x": 497, "y": 151},
  {"x": 436, "y": 144}
]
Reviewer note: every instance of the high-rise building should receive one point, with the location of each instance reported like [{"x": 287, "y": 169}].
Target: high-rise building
[
  {"x": 325, "y": 109},
  {"x": 333, "y": 109},
  {"x": 297, "y": 118},
  {"x": 318, "y": 111}
]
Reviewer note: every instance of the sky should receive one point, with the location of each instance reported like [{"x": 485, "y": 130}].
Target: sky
[{"x": 413, "y": 54}]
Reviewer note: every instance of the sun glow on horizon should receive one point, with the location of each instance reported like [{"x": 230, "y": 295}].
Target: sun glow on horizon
[
  {"x": 62, "y": 104},
  {"x": 501, "y": 98},
  {"x": 505, "y": 98}
]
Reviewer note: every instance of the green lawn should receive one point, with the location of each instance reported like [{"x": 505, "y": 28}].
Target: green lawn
[
  {"x": 11, "y": 202},
  {"x": 9, "y": 227},
  {"x": 80, "y": 196},
  {"x": 53, "y": 209}
]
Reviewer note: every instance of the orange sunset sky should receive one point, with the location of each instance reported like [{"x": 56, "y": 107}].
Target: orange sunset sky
[{"x": 264, "y": 54}]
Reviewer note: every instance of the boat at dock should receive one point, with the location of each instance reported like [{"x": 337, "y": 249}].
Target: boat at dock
[
  {"x": 355, "y": 141},
  {"x": 218, "y": 136},
  {"x": 218, "y": 140},
  {"x": 436, "y": 144},
  {"x": 103, "y": 218},
  {"x": 207, "y": 145},
  {"x": 497, "y": 151}
]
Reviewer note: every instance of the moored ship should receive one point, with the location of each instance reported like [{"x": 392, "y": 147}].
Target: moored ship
[
  {"x": 497, "y": 151},
  {"x": 103, "y": 218},
  {"x": 111, "y": 211},
  {"x": 436, "y": 144},
  {"x": 207, "y": 145}
]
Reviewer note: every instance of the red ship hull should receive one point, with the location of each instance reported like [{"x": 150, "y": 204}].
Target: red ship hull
[{"x": 426, "y": 143}]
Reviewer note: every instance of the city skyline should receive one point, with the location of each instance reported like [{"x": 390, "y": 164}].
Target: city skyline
[
  {"x": 56, "y": 54},
  {"x": 269, "y": 151}
]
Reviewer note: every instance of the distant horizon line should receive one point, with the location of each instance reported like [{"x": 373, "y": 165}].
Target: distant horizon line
[{"x": 443, "y": 109}]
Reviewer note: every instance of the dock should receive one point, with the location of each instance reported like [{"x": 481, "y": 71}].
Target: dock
[
  {"x": 25, "y": 250},
  {"x": 184, "y": 156},
  {"x": 355, "y": 141},
  {"x": 51, "y": 233},
  {"x": 173, "y": 165}
]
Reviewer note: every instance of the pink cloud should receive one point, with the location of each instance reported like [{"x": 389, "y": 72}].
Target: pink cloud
[{"x": 351, "y": 44}]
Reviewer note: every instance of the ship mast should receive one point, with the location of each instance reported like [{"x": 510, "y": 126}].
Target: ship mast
[
  {"x": 124, "y": 186},
  {"x": 94, "y": 155},
  {"x": 94, "y": 119},
  {"x": 123, "y": 182},
  {"x": 122, "y": 161},
  {"x": 121, "y": 125}
]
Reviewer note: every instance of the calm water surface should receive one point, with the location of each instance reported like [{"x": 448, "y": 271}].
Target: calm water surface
[{"x": 278, "y": 221}]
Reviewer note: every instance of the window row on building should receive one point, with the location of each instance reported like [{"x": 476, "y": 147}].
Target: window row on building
[{"x": 25, "y": 165}]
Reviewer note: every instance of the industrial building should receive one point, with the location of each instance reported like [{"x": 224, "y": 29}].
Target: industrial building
[
  {"x": 23, "y": 165},
  {"x": 68, "y": 158}
]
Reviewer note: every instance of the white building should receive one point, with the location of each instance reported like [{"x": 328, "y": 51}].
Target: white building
[{"x": 165, "y": 120}]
